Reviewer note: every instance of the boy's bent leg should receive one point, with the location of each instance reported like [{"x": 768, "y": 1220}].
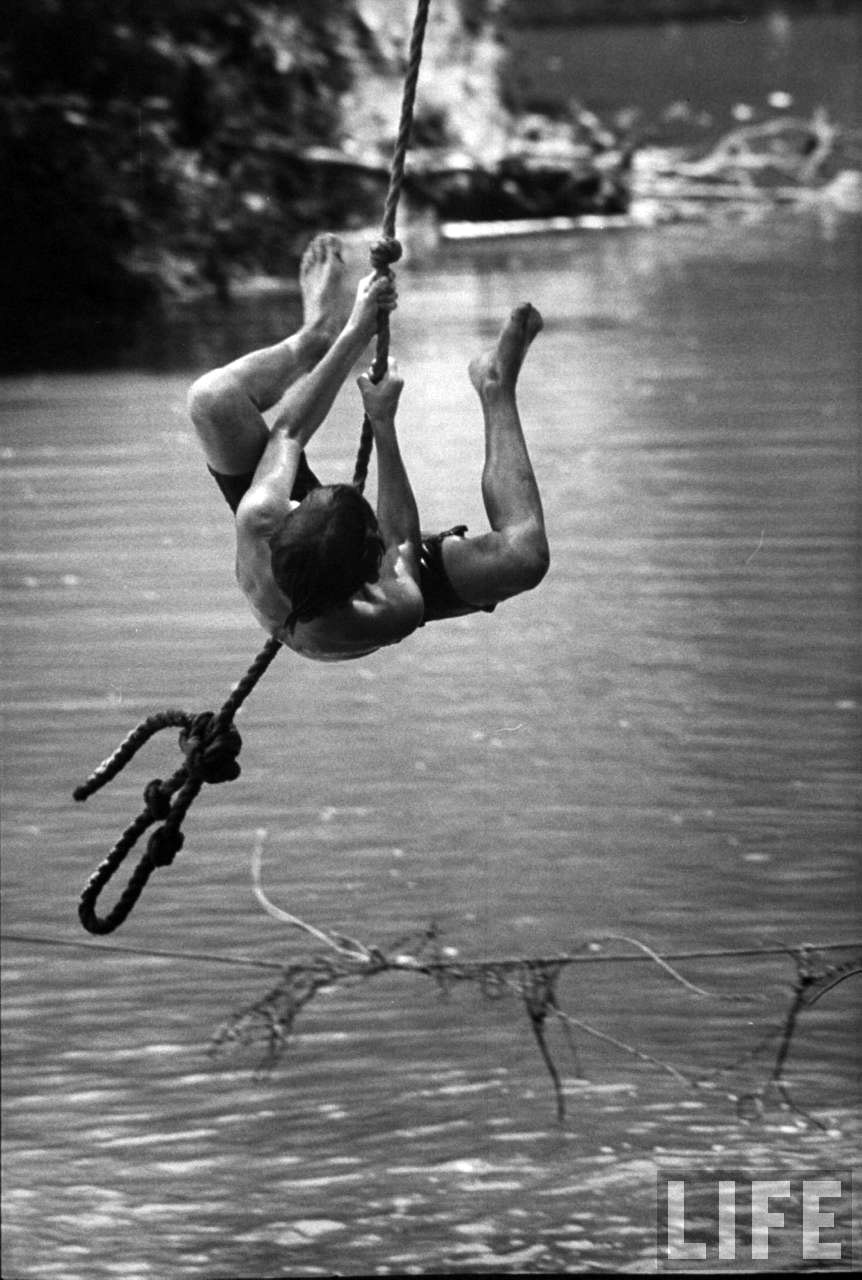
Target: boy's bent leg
[
  {"x": 231, "y": 429},
  {"x": 227, "y": 404},
  {"x": 513, "y": 557},
  {"x": 308, "y": 402}
]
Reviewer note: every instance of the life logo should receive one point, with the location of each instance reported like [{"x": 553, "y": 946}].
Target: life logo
[{"x": 716, "y": 1221}]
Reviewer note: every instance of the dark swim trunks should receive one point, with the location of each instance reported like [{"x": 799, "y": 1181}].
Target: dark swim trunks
[
  {"x": 234, "y": 488},
  {"x": 440, "y": 597}
]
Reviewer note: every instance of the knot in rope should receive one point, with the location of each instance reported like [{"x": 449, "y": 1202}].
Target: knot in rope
[
  {"x": 157, "y": 799},
  {"x": 211, "y": 749},
  {"x": 210, "y": 744},
  {"x": 384, "y": 252}
]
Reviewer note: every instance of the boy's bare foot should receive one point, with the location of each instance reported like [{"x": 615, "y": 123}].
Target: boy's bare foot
[
  {"x": 322, "y": 272},
  {"x": 502, "y": 363}
]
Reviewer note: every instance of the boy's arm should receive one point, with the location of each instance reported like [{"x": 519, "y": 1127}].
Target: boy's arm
[
  {"x": 397, "y": 514},
  {"x": 260, "y": 512},
  {"x": 393, "y": 606},
  {"x": 268, "y": 498}
]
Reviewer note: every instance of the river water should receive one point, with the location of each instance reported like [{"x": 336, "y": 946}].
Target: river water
[{"x": 661, "y": 742}]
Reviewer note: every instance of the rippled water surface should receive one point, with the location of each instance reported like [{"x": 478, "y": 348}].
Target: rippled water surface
[{"x": 660, "y": 742}]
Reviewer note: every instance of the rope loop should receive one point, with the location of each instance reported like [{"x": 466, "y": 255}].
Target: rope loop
[
  {"x": 210, "y": 743},
  {"x": 157, "y": 800}
]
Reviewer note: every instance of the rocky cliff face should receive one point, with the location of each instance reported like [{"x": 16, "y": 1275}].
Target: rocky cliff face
[{"x": 458, "y": 103}]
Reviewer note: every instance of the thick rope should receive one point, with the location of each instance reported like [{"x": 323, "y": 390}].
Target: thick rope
[
  {"x": 387, "y": 249},
  {"x": 210, "y": 743}
]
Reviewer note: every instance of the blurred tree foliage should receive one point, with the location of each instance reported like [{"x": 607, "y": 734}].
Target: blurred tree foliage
[{"x": 147, "y": 145}]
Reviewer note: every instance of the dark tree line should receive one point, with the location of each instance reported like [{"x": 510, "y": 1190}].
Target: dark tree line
[{"x": 139, "y": 152}]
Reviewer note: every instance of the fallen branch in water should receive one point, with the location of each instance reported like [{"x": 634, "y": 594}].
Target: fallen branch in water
[
  {"x": 270, "y": 1021},
  {"x": 784, "y": 160}
]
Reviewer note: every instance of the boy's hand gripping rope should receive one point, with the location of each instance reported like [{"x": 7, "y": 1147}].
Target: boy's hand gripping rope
[{"x": 210, "y": 742}]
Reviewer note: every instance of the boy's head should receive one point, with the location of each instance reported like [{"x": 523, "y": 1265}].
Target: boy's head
[{"x": 327, "y": 547}]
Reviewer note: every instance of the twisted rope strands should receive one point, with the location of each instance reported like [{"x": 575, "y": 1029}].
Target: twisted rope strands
[
  {"x": 211, "y": 745},
  {"x": 405, "y": 123},
  {"x": 118, "y": 759},
  {"x": 152, "y": 858},
  {"x": 363, "y": 455},
  {"x": 387, "y": 249},
  {"x": 245, "y": 686}
]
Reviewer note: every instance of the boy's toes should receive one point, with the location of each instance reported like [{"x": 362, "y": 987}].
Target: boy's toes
[
  {"x": 311, "y": 257},
  {"x": 331, "y": 245},
  {"x": 528, "y": 317},
  {"x": 323, "y": 247},
  {"x": 535, "y": 323}
]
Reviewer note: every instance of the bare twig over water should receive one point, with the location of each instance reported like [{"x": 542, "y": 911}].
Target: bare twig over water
[{"x": 532, "y": 980}]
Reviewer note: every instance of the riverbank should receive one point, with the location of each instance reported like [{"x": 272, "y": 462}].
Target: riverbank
[
  {"x": 205, "y": 182},
  {"x": 562, "y": 13}
]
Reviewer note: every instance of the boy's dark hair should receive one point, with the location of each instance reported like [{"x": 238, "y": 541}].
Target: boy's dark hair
[{"x": 327, "y": 547}]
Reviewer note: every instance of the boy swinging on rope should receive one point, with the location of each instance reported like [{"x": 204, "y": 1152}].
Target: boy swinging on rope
[{"x": 322, "y": 572}]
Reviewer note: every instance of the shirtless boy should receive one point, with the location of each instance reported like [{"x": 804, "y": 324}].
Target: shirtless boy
[{"x": 320, "y": 570}]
